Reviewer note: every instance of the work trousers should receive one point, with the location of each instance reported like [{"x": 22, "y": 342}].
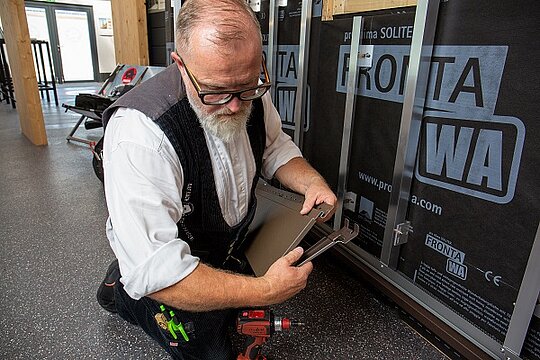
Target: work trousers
[{"x": 209, "y": 340}]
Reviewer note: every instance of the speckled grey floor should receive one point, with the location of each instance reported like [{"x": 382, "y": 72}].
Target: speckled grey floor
[{"x": 53, "y": 254}]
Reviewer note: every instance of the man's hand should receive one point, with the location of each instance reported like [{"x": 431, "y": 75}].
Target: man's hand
[
  {"x": 207, "y": 288},
  {"x": 301, "y": 177},
  {"x": 317, "y": 193},
  {"x": 284, "y": 280}
]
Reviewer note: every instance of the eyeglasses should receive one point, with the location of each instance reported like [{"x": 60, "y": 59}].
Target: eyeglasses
[{"x": 222, "y": 97}]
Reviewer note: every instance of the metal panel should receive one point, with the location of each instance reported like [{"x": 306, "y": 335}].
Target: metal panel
[
  {"x": 348, "y": 118},
  {"x": 278, "y": 227},
  {"x": 425, "y": 23}
]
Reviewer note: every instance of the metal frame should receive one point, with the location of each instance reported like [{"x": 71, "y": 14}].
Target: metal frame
[
  {"x": 428, "y": 302},
  {"x": 44, "y": 84},
  {"x": 71, "y": 136},
  {"x": 303, "y": 62},
  {"x": 272, "y": 46},
  {"x": 413, "y": 106},
  {"x": 525, "y": 303},
  {"x": 519, "y": 322},
  {"x": 89, "y": 113},
  {"x": 425, "y": 23},
  {"x": 169, "y": 31},
  {"x": 176, "y": 4},
  {"x": 6, "y": 82},
  {"x": 350, "y": 101}
]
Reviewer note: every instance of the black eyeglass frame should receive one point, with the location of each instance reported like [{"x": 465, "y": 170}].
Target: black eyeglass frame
[{"x": 232, "y": 93}]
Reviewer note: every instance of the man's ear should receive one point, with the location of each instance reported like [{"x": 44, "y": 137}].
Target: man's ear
[{"x": 177, "y": 59}]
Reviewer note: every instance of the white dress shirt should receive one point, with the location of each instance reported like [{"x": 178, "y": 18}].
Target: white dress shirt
[{"x": 143, "y": 185}]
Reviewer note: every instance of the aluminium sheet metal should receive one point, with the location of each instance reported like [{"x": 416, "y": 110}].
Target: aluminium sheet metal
[{"x": 278, "y": 226}]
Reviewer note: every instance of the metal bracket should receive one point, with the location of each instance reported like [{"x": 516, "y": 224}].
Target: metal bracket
[
  {"x": 255, "y": 5},
  {"x": 341, "y": 236},
  {"x": 401, "y": 233},
  {"x": 365, "y": 56},
  {"x": 508, "y": 354}
]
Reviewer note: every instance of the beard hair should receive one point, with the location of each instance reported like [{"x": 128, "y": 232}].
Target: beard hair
[{"x": 222, "y": 123}]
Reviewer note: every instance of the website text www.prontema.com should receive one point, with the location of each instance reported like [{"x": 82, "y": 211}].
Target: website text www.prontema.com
[{"x": 415, "y": 200}]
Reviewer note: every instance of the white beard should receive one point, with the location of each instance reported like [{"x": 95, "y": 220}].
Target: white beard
[{"x": 222, "y": 123}]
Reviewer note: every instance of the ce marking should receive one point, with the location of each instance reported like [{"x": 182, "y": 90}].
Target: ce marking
[{"x": 496, "y": 279}]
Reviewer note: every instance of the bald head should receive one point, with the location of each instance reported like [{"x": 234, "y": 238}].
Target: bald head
[{"x": 222, "y": 24}]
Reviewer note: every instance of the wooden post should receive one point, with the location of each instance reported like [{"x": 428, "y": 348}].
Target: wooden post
[
  {"x": 21, "y": 64},
  {"x": 130, "y": 32},
  {"x": 328, "y": 10},
  {"x": 356, "y": 6}
]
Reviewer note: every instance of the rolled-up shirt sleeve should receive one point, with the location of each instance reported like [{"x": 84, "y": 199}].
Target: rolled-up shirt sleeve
[
  {"x": 280, "y": 148},
  {"x": 143, "y": 182}
]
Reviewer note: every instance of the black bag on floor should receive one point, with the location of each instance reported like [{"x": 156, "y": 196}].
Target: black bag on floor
[{"x": 93, "y": 102}]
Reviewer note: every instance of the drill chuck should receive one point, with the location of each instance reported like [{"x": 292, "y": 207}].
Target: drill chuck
[{"x": 281, "y": 324}]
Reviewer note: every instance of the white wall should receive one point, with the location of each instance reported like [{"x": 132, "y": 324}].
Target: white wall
[{"x": 105, "y": 44}]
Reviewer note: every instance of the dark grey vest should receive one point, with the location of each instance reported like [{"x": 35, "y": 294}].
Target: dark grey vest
[{"x": 162, "y": 98}]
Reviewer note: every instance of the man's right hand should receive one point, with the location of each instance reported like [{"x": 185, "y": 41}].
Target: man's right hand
[
  {"x": 208, "y": 289},
  {"x": 284, "y": 279}
]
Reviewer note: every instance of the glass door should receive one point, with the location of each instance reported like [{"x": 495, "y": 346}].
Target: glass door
[
  {"x": 70, "y": 31},
  {"x": 38, "y": 28},
  {"x": 74, "y": 45}
]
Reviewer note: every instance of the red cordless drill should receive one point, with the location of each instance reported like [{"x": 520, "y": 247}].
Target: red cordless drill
[{"x": 259, "y": 325}]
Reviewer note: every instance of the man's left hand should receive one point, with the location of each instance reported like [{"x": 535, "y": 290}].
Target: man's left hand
[
  {"x": 301, "y": 177},
  {"x": 317, "y": 193}
]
